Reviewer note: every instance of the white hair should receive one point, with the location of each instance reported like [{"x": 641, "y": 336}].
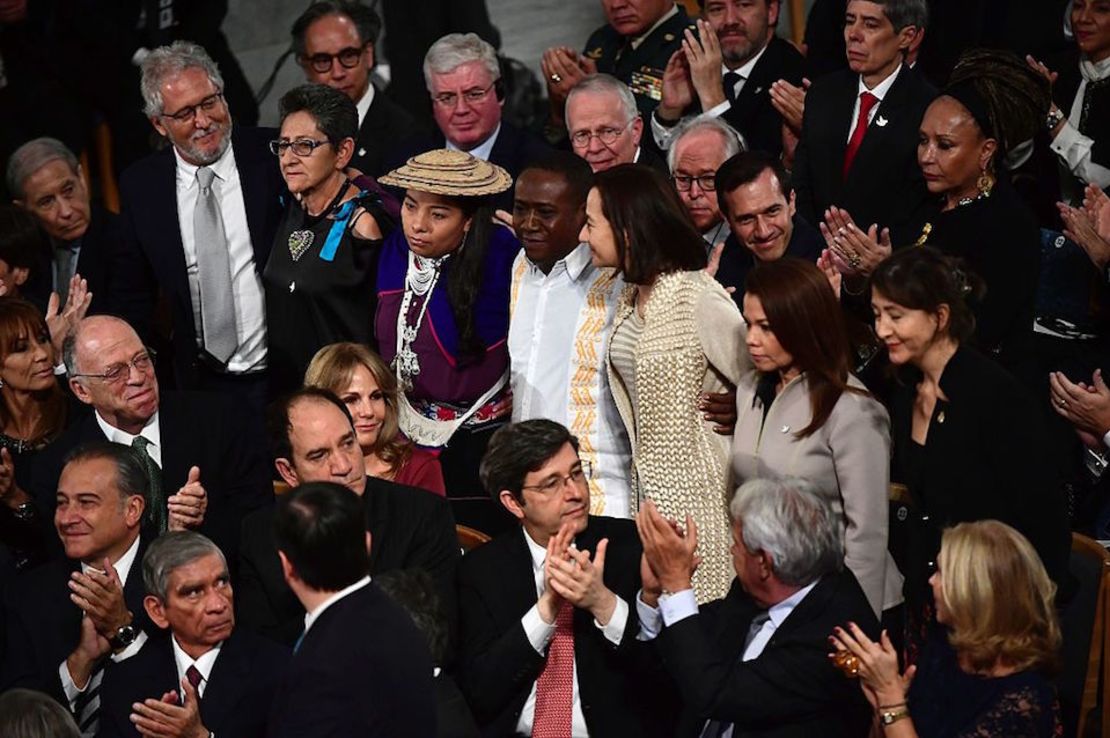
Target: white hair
[
  {"x": 166, "y": 62},
  {"x": 794, "y": 524},
  {"x": 33, "y": 156},
  {"x": 455, "y": 49},
  {"x": 606, "y": 84},
  {"x": 731, "y": 140}
]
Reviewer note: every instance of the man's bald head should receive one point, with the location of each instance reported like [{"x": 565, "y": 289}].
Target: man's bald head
[{"x": 110, "y": 369}]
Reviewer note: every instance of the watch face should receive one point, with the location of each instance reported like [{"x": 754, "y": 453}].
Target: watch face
[{"x": 125, "y": 636}]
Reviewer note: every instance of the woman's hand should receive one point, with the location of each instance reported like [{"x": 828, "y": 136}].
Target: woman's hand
[
  {"x": 1096, "y": 203},
  {"x": 826, "y": 264},
  {"x": 878, "y": 666},
  {"x": 854, "y": 251}
]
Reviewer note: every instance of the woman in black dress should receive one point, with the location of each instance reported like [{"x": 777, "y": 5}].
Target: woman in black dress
[{"x": 321, "y": 273}]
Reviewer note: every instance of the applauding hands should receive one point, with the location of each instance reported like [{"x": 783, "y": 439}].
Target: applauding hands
[{"x": 570, "y": 574}]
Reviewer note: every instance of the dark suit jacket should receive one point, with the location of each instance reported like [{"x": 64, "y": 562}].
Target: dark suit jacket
[
  {"x": 410, "y": 528},
  {"x": 385, "y": 126},
  {"x": 513, "y": 151},
  {"x": 237, "y": 698},
  {"x": 200, "y": 429},
  {"x": 42, "y": 626},
  {"x": 362, "y": 669},
  {"x": 791, "y": 689},
  {"x": 498, "y": 665},
  {"x": 885, "y": 185},
  {"x": 453, "y": 718},
  {"x": 152, "y": 257},
  {"x": 753, "y": 114},
  {"x": 98, "y": 247}
]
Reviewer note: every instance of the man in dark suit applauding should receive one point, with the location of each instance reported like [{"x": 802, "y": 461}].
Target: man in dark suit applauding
[
  {"x": 858, "y": 145},
  {"x": 758, "y": 659},
  {"x": 202, "y": 675},
  {"x": 361, "y": 667},
  {"x": 547, "y": 632}
]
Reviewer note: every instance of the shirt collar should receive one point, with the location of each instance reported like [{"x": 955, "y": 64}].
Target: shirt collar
[
  {"x": 882, "y": 88},
  {"x": 745, "y": 70},
  {"x": 364, "y": 103},
  {"x": 635, "y": 43},
  {"x": 224, "y": 167},
  {"x": 577, "y": 262},
  {"x": 150, "y": 431},
  {"x": 781, "y": 610},
  {"x": 312, "y": 617},
  {"x": 123, "y": 566},
  {"x": 204, "y": 664},
  {"x": 482, "y": 150}
]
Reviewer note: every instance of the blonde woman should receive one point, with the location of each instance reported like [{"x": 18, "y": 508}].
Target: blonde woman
[
  {"x": 367, "y": 387},
  {"x": 984, "y": 669}
]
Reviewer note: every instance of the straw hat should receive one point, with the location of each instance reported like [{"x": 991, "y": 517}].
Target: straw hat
[{"x": 446, "y": 172}]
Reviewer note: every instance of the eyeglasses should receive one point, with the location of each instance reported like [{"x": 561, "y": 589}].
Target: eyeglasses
[
  {"x": 450, "y": 99},
  {"x": 301, "y": 147},
  {"x": 608, "y": 136},
  {"x": 348, "y": 59},
  {"x": 118, "y": 372},
  {"x": 707, "y": 182},
  {"x": 187, "y": 113},
  {"x": 578, "y": 475}
]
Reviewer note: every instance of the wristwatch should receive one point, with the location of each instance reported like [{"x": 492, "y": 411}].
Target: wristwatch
[
  {"x": 1055, "y": 115},
  {"x": 124, "y": 637},
  {"x": 889, "y": 717}
]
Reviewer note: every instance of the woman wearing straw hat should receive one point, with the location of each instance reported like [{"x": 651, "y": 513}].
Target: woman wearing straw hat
[
  {"x": 443, "y": 314},
  {"x": 320, "y": 276}
]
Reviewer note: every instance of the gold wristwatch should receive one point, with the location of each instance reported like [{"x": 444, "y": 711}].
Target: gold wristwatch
[{"x": 889, "y": 717}]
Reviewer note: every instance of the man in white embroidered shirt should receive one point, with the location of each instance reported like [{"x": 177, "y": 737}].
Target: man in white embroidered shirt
[
  {"x": 547, "y": 634},
  {"x": 65, "y": 620},
  {"x": 755, "y": 663},
  {"x": 201, "y": 674}
]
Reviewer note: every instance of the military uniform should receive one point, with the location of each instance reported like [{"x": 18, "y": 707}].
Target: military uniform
[{"x": 640, "y": 68}]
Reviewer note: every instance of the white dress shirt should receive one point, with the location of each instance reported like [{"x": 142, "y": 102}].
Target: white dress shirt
[
  {"x": 559, "y": 327},
  {"x": 312, "y": 617},
  {"x": 482, "y": 150},
  {"x": 880, "y": 90},
  {"x": 540, "y": 633},
  {"x": 364, "y": 103},
  {"x": 204, "y": 664},
  {"x": 1073, "y": 148},
  {"x": 151, "y": 432},
  {"x": 249, "y": 298}
]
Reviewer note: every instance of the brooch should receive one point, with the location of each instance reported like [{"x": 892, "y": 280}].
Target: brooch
[{"x": 299, "y": 241}]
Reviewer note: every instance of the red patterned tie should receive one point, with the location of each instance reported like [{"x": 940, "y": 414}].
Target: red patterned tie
[
  {"x": 555, "y": 686},
  {"x": 866, "y": 102}
]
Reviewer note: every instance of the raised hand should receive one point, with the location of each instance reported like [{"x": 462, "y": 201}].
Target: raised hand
[
  {"x": 719, "y": 408},
  {"x": 876, "y": 664},
  {"x": 790, "y": 102},
  {"x": 188, "y": 506},
  {"x": 1079, "y": 226},
  {"x": 100, "y": 597},
  {"x": 826, "y": 264},
  {"x": 1085, "y": 407},
  {"x": 91, "y": 647},
  {"x": 703, "y": 55},
  {"x": 62, "y": 319},
  {"x": 670, "y": 554},
  {"x": 550, "y": 601},
  {"x": 854, "y": 251},
  {"x": 678, "y": 89},
  {"x": 1096, "y": 203}
]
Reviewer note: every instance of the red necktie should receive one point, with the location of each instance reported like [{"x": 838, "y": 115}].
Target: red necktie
[
  {"x": 194, "y": 677},
  {"x": 555, "y": 685},
  {"x": 866, "y": 102}
]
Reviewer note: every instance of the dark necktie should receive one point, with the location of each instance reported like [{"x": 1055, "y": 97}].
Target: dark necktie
[
  {"x": 866, "y": 102},
  {"x": 194, "y": 677},
  {"x": 86, "y": 708},
  {"x": 731, "y": 79},
  {"x": 156, "y": 513}
]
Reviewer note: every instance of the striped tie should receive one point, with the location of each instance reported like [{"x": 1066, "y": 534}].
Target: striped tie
[{"x": 86, "y": 708}]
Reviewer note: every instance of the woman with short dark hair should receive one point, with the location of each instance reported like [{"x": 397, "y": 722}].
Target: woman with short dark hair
[{"x": 676, "y": 335}]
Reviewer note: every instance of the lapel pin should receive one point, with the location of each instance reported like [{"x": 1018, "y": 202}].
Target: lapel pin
[
  {"x": 785, "y": 429},
  {"x": 757, "y": 91},
  {"x": 940, "y": 417},
  {"x": 362, "y": 152},
  {"x": 880, "y": 121},
  {"x": 292, "y": 286}
]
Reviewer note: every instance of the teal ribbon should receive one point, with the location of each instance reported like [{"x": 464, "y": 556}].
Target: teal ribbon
[{"x": 335, "y": 235}]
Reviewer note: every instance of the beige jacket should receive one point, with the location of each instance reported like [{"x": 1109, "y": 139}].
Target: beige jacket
[
  {"x": 693, "y": 341},
  {"x": 848, "y": 459}
]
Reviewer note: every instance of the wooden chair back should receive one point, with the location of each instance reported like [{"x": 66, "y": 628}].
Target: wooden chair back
[{"x": 470, "y": 538}]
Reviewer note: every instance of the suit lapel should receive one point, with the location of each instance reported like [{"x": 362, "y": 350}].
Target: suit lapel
[
  {"x": 228, "y": 681},
  {"x": 252, "y": 183},
  {"x": 520, "y": 582},
  {"x": 165, "y": 226},
  {"x": 844, "y": 104}
]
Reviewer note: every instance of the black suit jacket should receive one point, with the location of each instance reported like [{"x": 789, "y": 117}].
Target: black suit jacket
[
  {"x": 885, "y": 185},
  {"x": 152, "y": 258},
  {"x": 362, "y": 669},
  {"x": 753, "y": 114},
  {"x": 410, "y": 528},
  {"x": 237, "y": 698},
  {"x": 98, "y": 247},
  {"x": 513, "y": 151},
  {"x": 42, "y": 626},
  {"x": 498, "y": 665},
  {"x": 791, "y": 689},
  {"x": 383, "y": 129},
  {"x": 200, "y": 429}
]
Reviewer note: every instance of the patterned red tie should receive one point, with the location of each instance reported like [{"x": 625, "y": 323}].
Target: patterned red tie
[
  {"x": 194, "y": 677},
  {"x": 555, "y": 686},
  {"x": 866, "y": 102}
]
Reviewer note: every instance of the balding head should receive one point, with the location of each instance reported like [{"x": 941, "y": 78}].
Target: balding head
[
  {"x": 314, "y": 440},
  {"x": 110, "y": 369}
]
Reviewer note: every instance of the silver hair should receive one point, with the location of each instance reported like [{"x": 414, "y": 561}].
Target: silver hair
[
  {"x": 25, "y": 713},
  {"x": 794, "y": 524},
  {"x": 455, "y": 49},
  {"x": 732, "y": 140},
  {"x": 33, "y": 156},
  {"x": 606, "y": 84},
  {"x": 166, "y": 62},
  {"x": 169, "y": 552}
]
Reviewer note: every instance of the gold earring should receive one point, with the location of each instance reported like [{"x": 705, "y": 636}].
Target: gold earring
[{"x": 985, "y": 183}]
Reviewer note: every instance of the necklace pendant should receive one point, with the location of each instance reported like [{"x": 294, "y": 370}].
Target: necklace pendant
[{"x": 299, "y": 242}]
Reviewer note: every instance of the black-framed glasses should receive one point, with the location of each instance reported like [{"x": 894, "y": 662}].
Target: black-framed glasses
[
  {"x": 451, "y": 99},
  {"x": 348, "y": 59},
  {"x": 607, "y": 135},
  {"x": 301, "y": 147},
  {"x": 579, "y": 474},
  {"x": 142, "y": 363},
  {"x": 187, "y": 113},
  {"x": 707, "y": 182}
]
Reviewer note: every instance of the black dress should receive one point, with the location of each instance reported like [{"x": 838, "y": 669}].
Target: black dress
[
  {"x": 326, "y": 292},
  {"x": 999, "y": 240},
  {"x": 947, "y": 702}
]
